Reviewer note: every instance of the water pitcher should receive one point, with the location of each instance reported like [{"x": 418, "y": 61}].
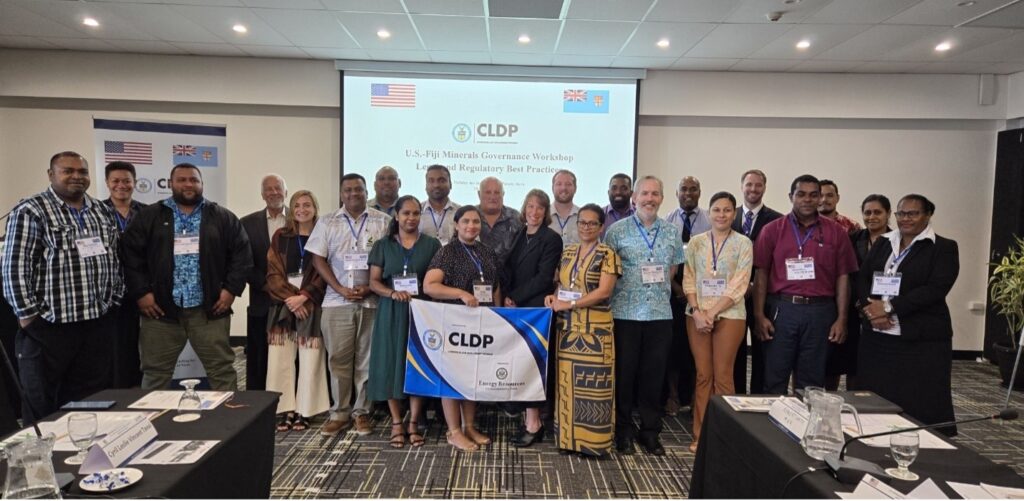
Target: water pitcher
[
  {"x": 30, "y": 469},
  {"x": 824, "y": 433}
]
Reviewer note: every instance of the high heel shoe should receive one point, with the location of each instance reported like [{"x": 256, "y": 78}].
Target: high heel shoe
[{"x": 525, "y": 439}]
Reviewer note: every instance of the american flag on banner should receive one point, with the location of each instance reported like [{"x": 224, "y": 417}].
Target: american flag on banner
[
  {"x": 393, "y": 95},
  {"x": 183, "y": 150},
  {"x": 128, "y": 151},
  {"x": 574, "y": 95}
]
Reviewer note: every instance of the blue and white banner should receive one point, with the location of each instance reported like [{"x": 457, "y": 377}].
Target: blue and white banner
[
  {"x": 154, "y": 147},
  {"x": 485, "y": 354}
]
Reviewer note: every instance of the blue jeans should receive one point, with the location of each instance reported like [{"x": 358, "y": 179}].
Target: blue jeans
[{"x": 799, "y": 345}]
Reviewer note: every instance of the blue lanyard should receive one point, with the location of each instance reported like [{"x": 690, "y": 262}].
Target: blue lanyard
[
  {"x": 476, "y": 261},
  {"x": 899, "y": 257},
  {"x": 437, "y": 226},
  {"x": 407, "y": 253},
  {"x": 575, "y": 265},
  {"x": 561, "y": 225},
  {"x": 714, "y": 254},
  {"x": 302, "y": 252},
  {"x": 185, "y": 220},
  {"x": 643, "y": 233},
  {"x": 801, "y": 241},
  {"x": 122, "y": 222},
  {"x": 352, "y": 227},
  {"x": 78, "y": 215}
]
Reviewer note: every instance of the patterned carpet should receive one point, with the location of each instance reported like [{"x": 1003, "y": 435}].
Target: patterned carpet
[{"x": 308, "y": 465}]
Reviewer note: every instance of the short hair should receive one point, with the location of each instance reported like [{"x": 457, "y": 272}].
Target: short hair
[
  {"x": 186, "y": 165},
  {"x": 489, "y": 179},
  {"x": 284, "y": 184},
  {"x": 545, "y": 202},
  {"x": 759, "y": 172},
  {"x": 384, "y": 168},
  {"x": 289, "y": 216},
  {"x": 68, "y": 154},
  {"x": 563, "y": 171},
  {"x": 393, "y": 225},
  {"x": 461, "y": 211},
  {"x": 720, "y": 195},
  {"x": 440, "y": 167},
  {"x": 118, "y": 165},
  {"x": 351, "y": 176},
  {"x": 596, "y": 209},
  {"x": 926, "y": 205},
  {"x": 620, "y": 175},
  {"x": 874, "y": 197},
  {"x": 828, "y": 182},
  {"x": 661, "y": 185},
  {"x": 806, "y": 178}
]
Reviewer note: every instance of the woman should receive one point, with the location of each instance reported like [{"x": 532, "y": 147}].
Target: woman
[
  {"x": 584, "y": 344},
  {"x": 398, "y": 264},
  {"x": 464, "y": 271},
  {"x": 716, "y": 275},
  {"x": 906, "y": 345},
  {"x": 293, "y": 322},
  {"x": 529, "y": 278},
  {"x": 842, "y": 358}
]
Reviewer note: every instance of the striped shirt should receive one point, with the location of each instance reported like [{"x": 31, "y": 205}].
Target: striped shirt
[{"x": 43, "y": 271}]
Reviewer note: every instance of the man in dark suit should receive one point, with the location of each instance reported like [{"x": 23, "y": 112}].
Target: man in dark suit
[
  {"x": 260, "y": 226},
  {"x": 749, "y": 221}
]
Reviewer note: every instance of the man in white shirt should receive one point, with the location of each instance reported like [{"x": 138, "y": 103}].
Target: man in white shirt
[
  {"x": 565, "y": 214},
  {"x": 437, "y": 212},
  {"x": 385, "y": 190}
]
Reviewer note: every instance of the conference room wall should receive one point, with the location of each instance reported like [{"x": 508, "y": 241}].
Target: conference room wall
[{"x": 1015, "y": 96}]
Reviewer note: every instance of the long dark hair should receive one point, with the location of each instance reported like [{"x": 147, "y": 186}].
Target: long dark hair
[{"x": 393, "y": 225}]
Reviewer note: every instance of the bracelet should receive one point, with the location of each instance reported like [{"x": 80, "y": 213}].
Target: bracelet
[{"x": 392, "y": 295}]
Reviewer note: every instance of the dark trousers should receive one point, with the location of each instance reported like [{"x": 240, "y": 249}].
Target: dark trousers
[
  {"x": 59, "y": 363},
  {"x": 256, "y": 353},
  {"x": 799, "y": 344},
  {"x": 127, "y": 367},
  {"x": 680, "y": 372},
  {"x": 641, "y": 353}
]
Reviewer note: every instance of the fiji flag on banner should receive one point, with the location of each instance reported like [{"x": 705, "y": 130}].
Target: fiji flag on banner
[
  {"x": 200, "y": 156},
  {"x": 489, "y": 354},
  {"x": 585, "y": 101}
]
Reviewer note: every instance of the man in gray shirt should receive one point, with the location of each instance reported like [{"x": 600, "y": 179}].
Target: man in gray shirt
[{"x": 500, "y": 222}]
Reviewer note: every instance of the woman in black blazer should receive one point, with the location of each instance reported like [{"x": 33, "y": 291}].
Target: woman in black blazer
[
  {"x": 528, "y": 278},
  {"x": 906, "y": 345}
]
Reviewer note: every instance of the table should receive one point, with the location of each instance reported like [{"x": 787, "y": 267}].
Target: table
[
  {"x": 240, "y": 466},
  {"x": 744, "y": 455}
]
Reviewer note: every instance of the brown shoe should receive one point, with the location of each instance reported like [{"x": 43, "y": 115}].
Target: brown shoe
[
  {"x": 335, "y": 426},
  {"x": 363, "y": 425}
]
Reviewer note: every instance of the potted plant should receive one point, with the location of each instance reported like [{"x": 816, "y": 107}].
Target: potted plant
[{"x": 1006, "y": 288}]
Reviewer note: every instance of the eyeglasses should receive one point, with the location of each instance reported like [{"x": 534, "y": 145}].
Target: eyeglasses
[
  {"x": 908, "y": 214},
  {"x": 588, "y": 224}
]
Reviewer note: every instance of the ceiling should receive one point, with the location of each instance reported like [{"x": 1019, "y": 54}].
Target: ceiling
[{"x": 860, "y": 36}]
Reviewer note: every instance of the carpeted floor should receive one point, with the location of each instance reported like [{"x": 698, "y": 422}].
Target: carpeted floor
[{"x": 308, "y": 465}]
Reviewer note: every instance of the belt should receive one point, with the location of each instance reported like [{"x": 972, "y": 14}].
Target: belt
[{"x": 803, "y": 299}]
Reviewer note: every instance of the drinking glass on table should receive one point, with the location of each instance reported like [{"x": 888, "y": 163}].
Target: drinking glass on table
[
  {"x": 82, "y": 428},
  {"x": 190, "y": 403},
  {"x": 904, "y": 447}
]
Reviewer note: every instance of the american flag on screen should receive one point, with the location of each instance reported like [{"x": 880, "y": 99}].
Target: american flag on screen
[
  {"x": 574, "y": 95},
  {"x": 128, "y": 151},
  {"x": 393, "y": 95}
]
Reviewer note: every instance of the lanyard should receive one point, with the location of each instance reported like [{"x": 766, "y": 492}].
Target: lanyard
[
  {"x": 407, "y": 253},
  {"x": 352, "y": 227},
  {"x": 899, "y": 257},
  {"x": 714, "y": 254},
  {"x": 575, "y": 265},
  {"x": 650, "y": 243},
  {"x": 437, "y": 225},
  {"x": 78, "y": 215},
  {"x": 561, "y": 225},
  {"x": 185, "y": 220},
  {"x": 801, "y": 241},
  {"x": 122, "y": 222},
  {"x": 476, "y": 261},
  {"x": 302, "y": 251}
]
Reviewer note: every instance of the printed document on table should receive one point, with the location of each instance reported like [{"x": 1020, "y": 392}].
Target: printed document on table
[
  {"x": 749, "y": 404},
  {"x": 106, "y": 422},
  {"x": 168, "y": 399},
  {"x": 174, "y": 452},
  {"x": 878, "y": 423},
  {"x": 871, "y": 488}
]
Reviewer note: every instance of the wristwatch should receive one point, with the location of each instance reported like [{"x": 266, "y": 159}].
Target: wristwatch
[
  {"x": 887, "y": 306},
  {"x": 572, "y": 304}
]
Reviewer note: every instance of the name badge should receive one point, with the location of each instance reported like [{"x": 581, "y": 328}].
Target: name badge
[
  {"x": 652, "y": 273},
  {"x": 886, "y": 285},
  {"x": 186, "y": 244},
  {"x": 800, "y": 269},
  {"x": 712, "y": 287},
  {"x": 90, "y": 246},
  {"x": 403, "y": 283},
  {"x": 356, "y": 261},
  {"x": 295, "y": 279},
  {"x": 568, "y": 295},
  {"x": 483, "y": 291}
]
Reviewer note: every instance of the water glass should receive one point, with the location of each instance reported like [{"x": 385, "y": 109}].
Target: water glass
[
  {"x": 190, "y": 403},
  {"x": 82, "y": 427},
  {"x": 904, "y": 447}
]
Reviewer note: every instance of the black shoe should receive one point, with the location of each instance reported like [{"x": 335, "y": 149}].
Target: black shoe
[
  {"x": 625, "y": 446},
  {"x": 565, "y": 452},
  {"x": 652, "y": 446},
  {"x": 525, "y": 438}
]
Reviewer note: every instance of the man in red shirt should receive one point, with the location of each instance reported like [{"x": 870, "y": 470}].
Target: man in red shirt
[
  {"x": 801, "y": 291},
  {"x": 829, "y": 203}
]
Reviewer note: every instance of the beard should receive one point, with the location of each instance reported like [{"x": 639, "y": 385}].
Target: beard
[{"x": 181, "y": 199}]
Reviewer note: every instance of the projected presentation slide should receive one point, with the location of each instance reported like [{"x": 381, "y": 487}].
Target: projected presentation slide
[{"x": 521, "y": 132}]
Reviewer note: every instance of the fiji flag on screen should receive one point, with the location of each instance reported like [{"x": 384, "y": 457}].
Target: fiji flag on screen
[
  {"x": 200, "y": 156},
  {"x": 585, "y": 101}
]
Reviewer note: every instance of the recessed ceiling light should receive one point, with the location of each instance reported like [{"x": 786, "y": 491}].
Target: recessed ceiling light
[
  {"x": 90, "y": 22},
  {"x": 663, "y": 43},
  {"x": 524, "y": 38},
  {"x": 382, "y": 34},
  {"x": 790, "y": 2},
  {"x": 966, "y": 4},
  {"x": 944, "y": 46},
  {"x": 803, "y": 44},
  {"x": 240, "y": 28}
]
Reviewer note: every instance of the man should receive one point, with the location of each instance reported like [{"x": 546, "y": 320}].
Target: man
[
  {"x": 620, "y": 205},
  {"x": 680, "y": 377},
  {"x": 500, "y": 222},
  {"x": 340, "y": 244},
  {"x": 385, "y": 190},
  {"x": 565, "y": 213},
  {"x": 750, "y": 219},
  {"x": 260, "y": 227},
  {"x": 651, "y": 250},
  {"x": 829, "y": 202},
  {"x": 62, "y": 276},
  {"x": 801, "y": 290},
  {"x": 437, "y": 216},
  {"x": 120, "y": 178},
  {"x": 185, "y": 260}
]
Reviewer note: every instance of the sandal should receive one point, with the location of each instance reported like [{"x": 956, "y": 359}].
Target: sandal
[
  {"x": 476, "y": 436},
  {"x": 415, "y": 438},
  {"x": 397, "y": 439},
  {"x": 455, "y": 437},
  {"x": 300, "y": 424},
  {"x": 284, "y": 422}
]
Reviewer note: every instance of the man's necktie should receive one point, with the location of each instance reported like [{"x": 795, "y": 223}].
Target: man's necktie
[
  {"x": 748, "y": 222},
  {"x": 687, "y": 226}
]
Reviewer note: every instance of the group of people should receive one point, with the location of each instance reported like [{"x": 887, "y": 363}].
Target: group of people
[{"x": 651, "y": 313}]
